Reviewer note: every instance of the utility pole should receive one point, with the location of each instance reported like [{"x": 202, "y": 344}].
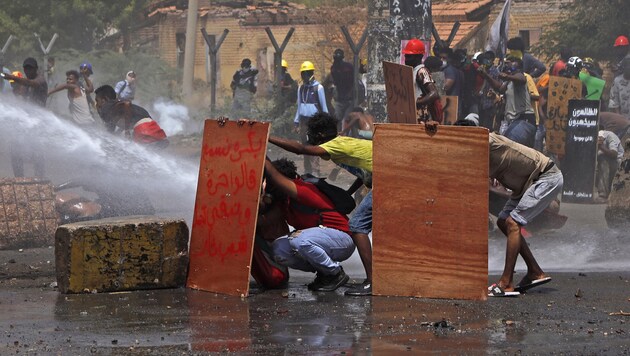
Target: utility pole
[
  {"x": 46, "y": 51},
  {"x": 213, "y": 49},
  {"x": 356, "y": 49},
  {"x": 189, "y": 51},
  {"x": 390, "y": 23},
  {"x": 279, "y": 49}
]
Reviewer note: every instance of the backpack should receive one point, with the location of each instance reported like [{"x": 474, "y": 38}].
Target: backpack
[{"x": 341, "y": 199}]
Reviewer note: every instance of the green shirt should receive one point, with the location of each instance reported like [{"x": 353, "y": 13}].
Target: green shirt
[{"x": 350, "y": 151}]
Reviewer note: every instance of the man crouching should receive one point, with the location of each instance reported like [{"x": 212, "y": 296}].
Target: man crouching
[{"x": 322, "y": 237}]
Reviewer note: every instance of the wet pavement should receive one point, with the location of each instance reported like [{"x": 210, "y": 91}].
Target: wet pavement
[{"x": 570, "y": 315}]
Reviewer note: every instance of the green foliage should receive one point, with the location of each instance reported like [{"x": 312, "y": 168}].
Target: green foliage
[
  {"x": 80, "y": 24},
  {"x": 589, "y": 28}
]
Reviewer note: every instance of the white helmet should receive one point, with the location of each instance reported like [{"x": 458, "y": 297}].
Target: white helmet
[
  {"x": 475, "y": 56},
  {"x": 575, "y": 62}
]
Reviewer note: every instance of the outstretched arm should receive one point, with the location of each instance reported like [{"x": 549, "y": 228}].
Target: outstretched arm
[
  {"x": 278, "y": 179},
  {"x": 61, "y": 87},
  {"x": 298, "y": 148}
]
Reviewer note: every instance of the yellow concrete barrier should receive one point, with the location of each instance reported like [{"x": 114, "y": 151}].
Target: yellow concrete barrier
[{"x": 125, "y": 253}]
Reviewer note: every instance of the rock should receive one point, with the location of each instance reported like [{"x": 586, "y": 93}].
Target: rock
[{"x": 125, "y": 253}]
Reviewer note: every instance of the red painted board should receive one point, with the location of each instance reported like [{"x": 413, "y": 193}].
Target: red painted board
[{"x": 226, "y": 206}]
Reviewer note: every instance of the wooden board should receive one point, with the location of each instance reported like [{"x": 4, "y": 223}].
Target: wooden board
[
  {"x": 124, "y": 253},
  {"x": 430, "y": 222},
  {"x": 561, "y": 90},
  {"x": 401, "y": 97},
  {"x": 580, "y": 157},
  {"x": 618, "y": 209},
  {"x": 450, "y": 105},
  {"x": 226, "y": 206}
]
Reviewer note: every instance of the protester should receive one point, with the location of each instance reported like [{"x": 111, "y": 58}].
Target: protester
[
  {"x": 358, "y": 124},
  {"x": 609, "y": 155},
  {"x": 86, "y": 84},
  {"x": 130, "y": 119},
  {"x": 621, "y": 51},
  {"x": 244, "y": 85},
  {"x": 287, "y": 84},
  {"x": 531, "y": 65},
  {"x": 561, "y": 64},
  {"x": 428, "y": 105},
  {"x": 126, "y": 89},
  {"x": 355, "y": 156},
  {"x": 321, "y": 239},
  {"x": 34, "y": 89},
  {"x": 342, "y": 74},
  {"x": 619, "y": 101},
  {"x": 79, "y": 107},
  {"x": 519, "y": 122},
  {"x": 489, "y": 99},
  {"x": 616, "y": 123},
  {"x": 311, "y": 101},
  {"x": 535, "y": 182},
  {"x": 453, "y": 76}
]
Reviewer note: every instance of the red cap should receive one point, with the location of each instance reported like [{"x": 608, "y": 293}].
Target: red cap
[
  {"x": 414, "y": 46},
  {"x": 621, "y": 41}
]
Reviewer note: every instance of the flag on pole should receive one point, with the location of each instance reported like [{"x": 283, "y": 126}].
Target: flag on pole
[{"x": 498, "y": 34}]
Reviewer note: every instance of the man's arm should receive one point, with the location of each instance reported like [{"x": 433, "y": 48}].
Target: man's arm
[
  {"x": 283, "y": 183},
  {"x": 537, "y": 67},
  {"x": 298, "y": 148},
  {"x": 89, "y": 87},
  {"x": 431, "y": 96},
  {"x": 61, "y": 87},
  {"x": 348, "y": 122},
  {"x": 495, "y": 84},
  {"x": 22, "y": 81}
]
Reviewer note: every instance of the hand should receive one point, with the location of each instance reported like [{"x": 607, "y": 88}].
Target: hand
[
  {"x": 431, "y": 126},
  {"x": 503, "y": 75}
]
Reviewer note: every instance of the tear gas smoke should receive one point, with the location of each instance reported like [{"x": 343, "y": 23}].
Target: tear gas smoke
[
  {"x": 94, "y": 155},
  {"x": 172, "y": 117}
]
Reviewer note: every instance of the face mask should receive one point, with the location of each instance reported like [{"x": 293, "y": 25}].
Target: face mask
[
  {"x": 444, "y": 64},
  {"x": 306, "y": 77}
]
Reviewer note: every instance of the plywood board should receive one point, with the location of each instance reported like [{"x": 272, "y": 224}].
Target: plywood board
[
  {"x": 580, "y": 159},
  {"x": 561, "y": 90},
  {"x": 401, "y": 97},
  {"x": 228, "y": 192},
  {"x": 430, "y": 217},
  {"x": 450, "y": 105}
]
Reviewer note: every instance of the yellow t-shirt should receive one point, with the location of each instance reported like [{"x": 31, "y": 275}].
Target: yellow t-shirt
[{"x": 350, "y": 151}]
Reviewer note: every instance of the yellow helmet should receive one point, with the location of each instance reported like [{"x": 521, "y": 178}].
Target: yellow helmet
[
  {"x": 285, "y": 64},
  {"x": 307, "y": 66}
]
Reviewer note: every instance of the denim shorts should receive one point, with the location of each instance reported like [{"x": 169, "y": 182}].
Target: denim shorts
[
  {"x": 361, "y": 219},
  {"x": 535, "y": 199}
]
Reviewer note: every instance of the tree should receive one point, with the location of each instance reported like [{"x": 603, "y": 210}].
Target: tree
[
  {"x": 589, "y": 28},
  {"x": 81, "y": 24}
]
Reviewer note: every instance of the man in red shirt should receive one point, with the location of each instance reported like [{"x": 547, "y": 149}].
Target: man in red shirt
[{"x": 321, "y": 239}]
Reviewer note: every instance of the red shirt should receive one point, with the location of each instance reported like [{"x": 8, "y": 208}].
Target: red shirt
[{"x": 309, "y": 196}]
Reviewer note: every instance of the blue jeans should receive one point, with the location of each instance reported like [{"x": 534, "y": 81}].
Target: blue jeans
[
  {"x": 541, "y": 131},
  {"x": 521, "y": 131},
  {"x": 314, "y": 249},
  {"x": 361, "y": 220}
]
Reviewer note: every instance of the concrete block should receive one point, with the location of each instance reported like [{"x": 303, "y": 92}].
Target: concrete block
[
  {"x": 124, "y": 253},
  {"x": 27, "y": 213}
]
